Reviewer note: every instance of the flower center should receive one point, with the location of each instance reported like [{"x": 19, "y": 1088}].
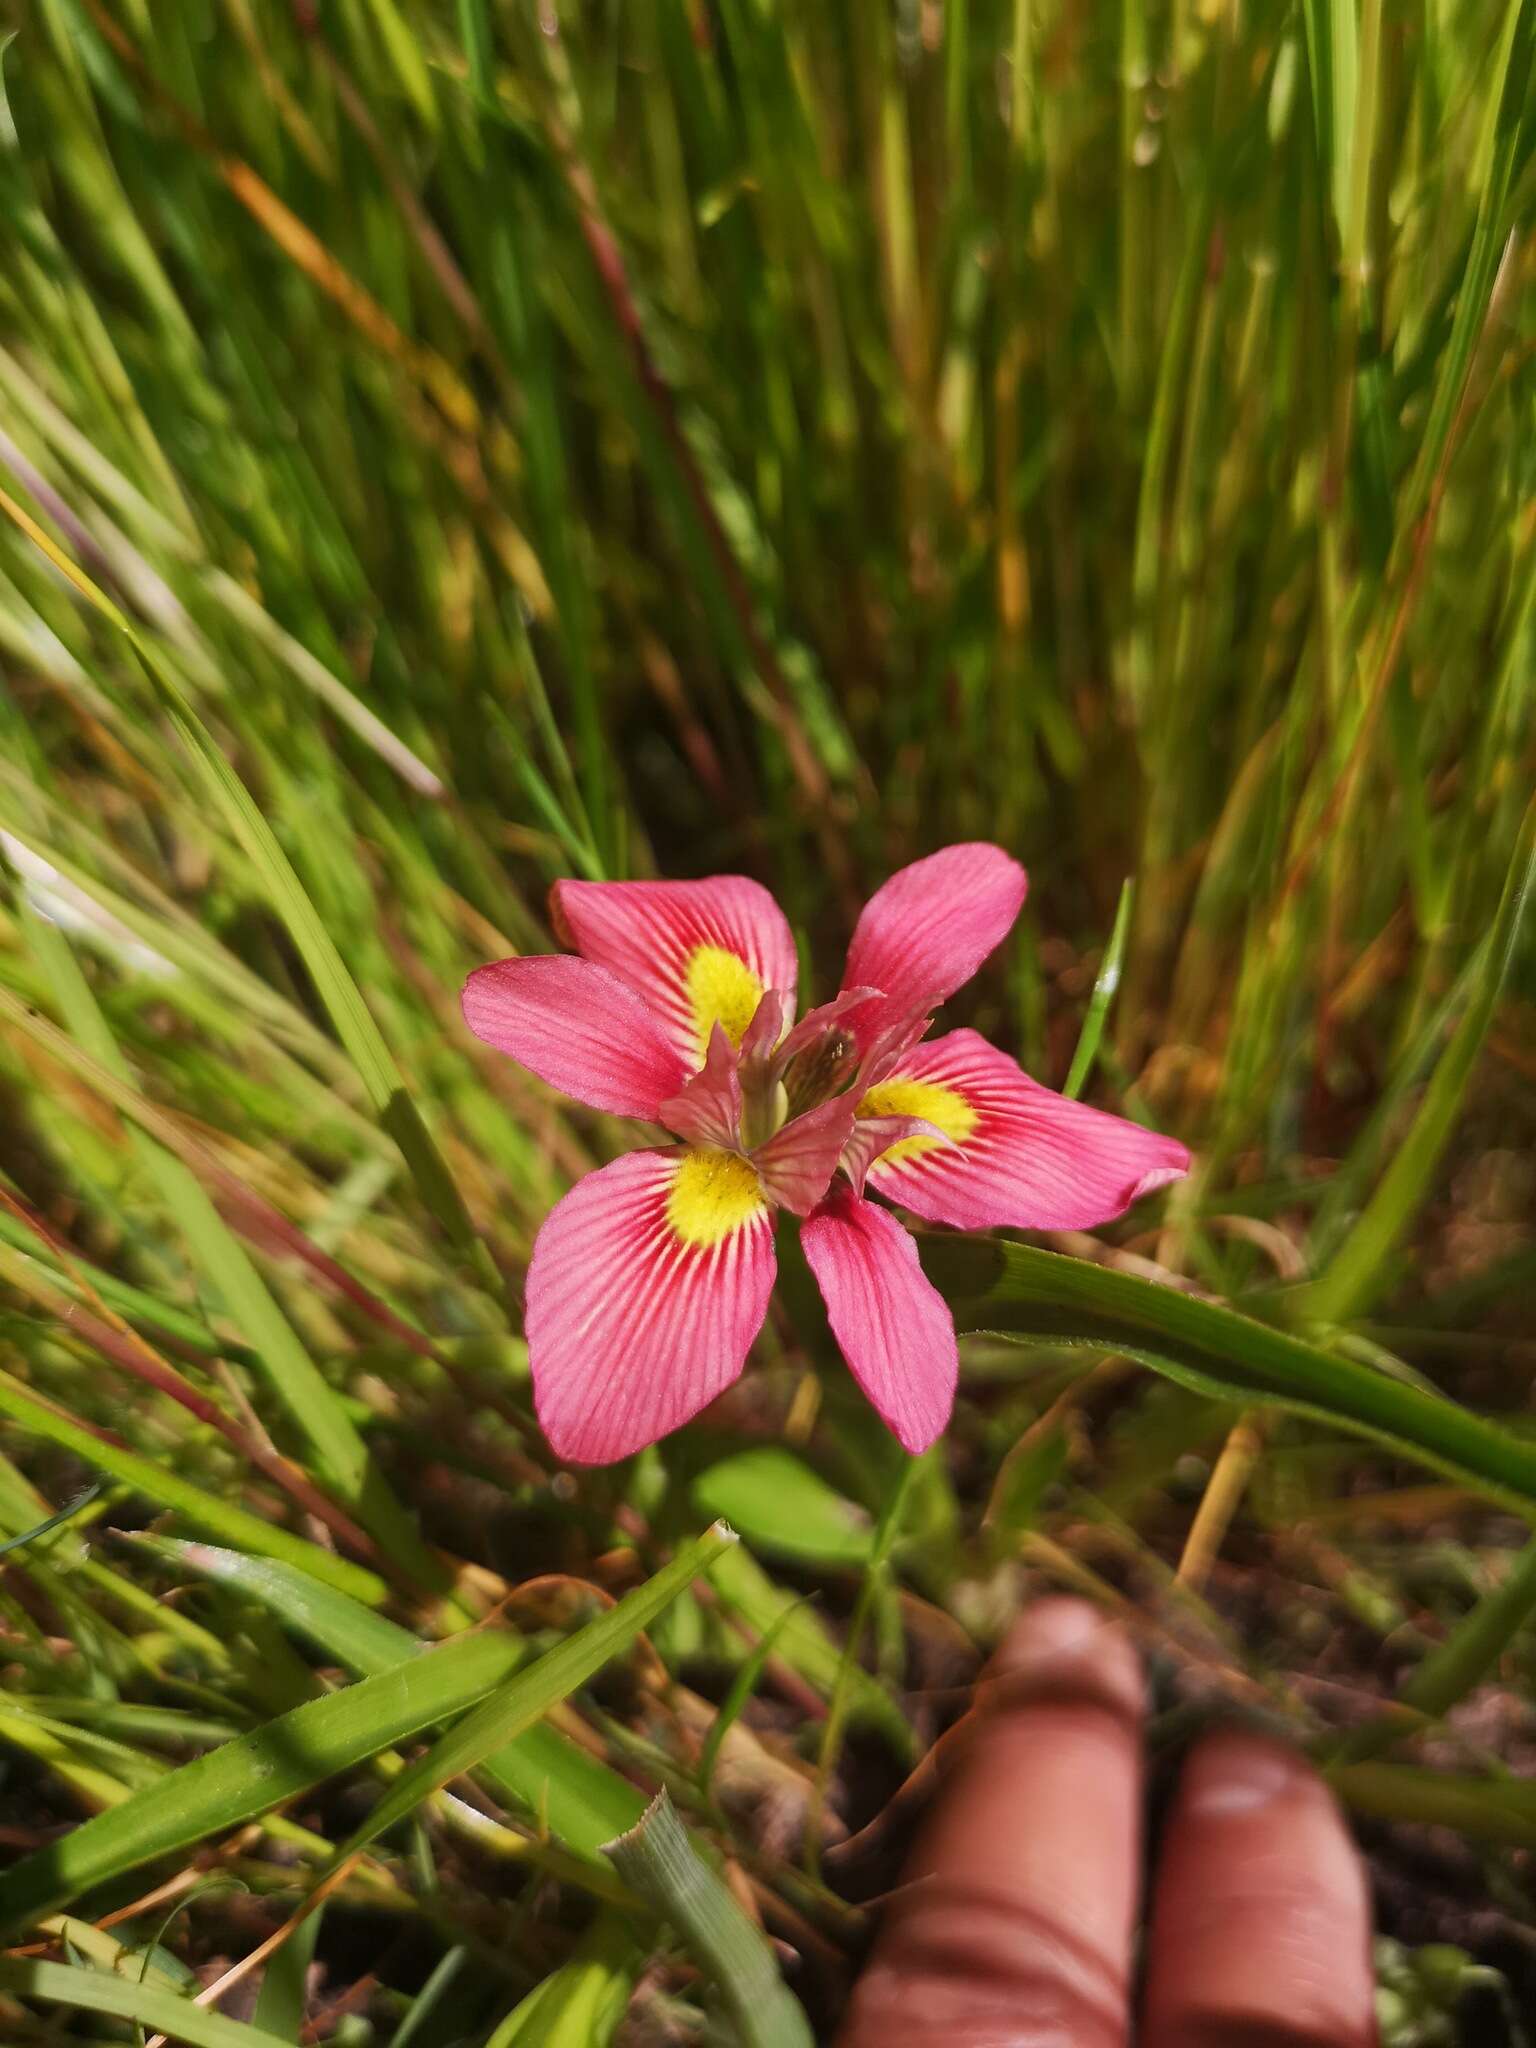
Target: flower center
[
  {"x": 944, "y": 1107},
  {"x": 721, "y": 989},
  {"x": 713, "y": 1194},
  {"x": 819, "y": 1071}
]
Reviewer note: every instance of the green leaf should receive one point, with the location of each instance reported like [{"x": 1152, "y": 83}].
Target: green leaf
[
  {"x": 259, "y": 1771},
  {"x": 1105, "y": 984},
  {"x": 581, "y": 2004},
  {"x": 1491, "y": 1809},
  {"x": 779, "y": 1503},
  {"x": 120, "y": 1997},
  {"x": 350, "y": 1015},
  {"x": 315, "y": 1408},
  {"x": 657, "y": 1858},
  {"x": 1358, "y": 1268},
  {"x": 222, "y": 1518},
  {"x": 583, "y": 1802},
  {"x": 284, "y": 1982},
  {"x": 1504, "y": 90},
  {"x": 532, "y": 1693},
  {"x": 1009, "y": 1290},
  {"x": 338, "y": 1626},
  {"x": 804, "y": 1644}
]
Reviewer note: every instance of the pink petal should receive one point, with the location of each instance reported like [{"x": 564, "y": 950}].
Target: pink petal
[
  {"x": 872, "y": 1136},
  {"x": 884, "y": 1049},
  {"x": 798, "y": 1161},
  {"x": 697, "y": 952},
  {"x": 769, "y": 1023},
  {"x": 929, "y": 928},
  {"x": 848, "y": 1010},
  {"x": 707, "y": 1108},
  {"x": 577, "y": 1027},
  {"x": 649, "y": 1282},
  {"x": 1023, "y": 1155},
  {"x": 889, "y": 1319}
]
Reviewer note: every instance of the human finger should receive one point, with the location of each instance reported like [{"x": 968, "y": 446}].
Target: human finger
[
  {"x": 1013, "y": 1925},
  {"x": 1261, "y": 1924}
]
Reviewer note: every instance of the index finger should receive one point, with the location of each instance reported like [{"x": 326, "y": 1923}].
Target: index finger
[{"x": 1014, "y": 1921}]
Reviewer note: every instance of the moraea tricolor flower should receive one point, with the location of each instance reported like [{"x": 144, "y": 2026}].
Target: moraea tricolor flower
[{"x": 650, "y": 1280}]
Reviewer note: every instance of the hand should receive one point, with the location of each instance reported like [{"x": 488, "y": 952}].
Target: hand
[{"x": 1015, "y": 1921}]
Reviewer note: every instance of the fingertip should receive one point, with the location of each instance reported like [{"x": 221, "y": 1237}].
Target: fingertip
[
  {"x": 1261, "y": 1924},
  {"x": 1065, "y": 1649}
]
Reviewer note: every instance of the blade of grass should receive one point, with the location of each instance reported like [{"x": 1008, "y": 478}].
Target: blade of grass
[
  {"x": 658, "y": 1860},
  {"x": 218, "y": 1517},
  {"x": 1354, "y": 1276},
  {"x": 1010, "y": 1290},
  {"x": 354, "y": 1022},
  {"x": 581, "y": 2004},
  {"x": 580, "y": 1798},
  {"x": 530, "y": 1695},
  {"x": 1105, "y": 983},
  {"x": 146, "y": 2004},
  {"x": 259, "y": 1771}
]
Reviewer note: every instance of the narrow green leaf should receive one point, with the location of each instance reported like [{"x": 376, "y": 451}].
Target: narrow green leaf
[
  {"x": 217, "y": 1517},
  {"x": 581, "y": 2004},
  {"x": 354, "y": 1022},
  {"x": 1105, "y": 983},
  {"x": 779, "y": 1503},
  {"x": 424, "y": 2012},
  {"x": 1358, "y": 1267},
  {"x": 1011, "y": 1290},
  {"x": 148, "y": 2004},
  {"x": 748, "y": 1675},
  {"x": 658, "y": 1860},
  {"x": 1471, "y": 1650},
  {"x": 295, "y": 1378},
  {"x": 583, "y": 1802},
  {"x": 533, "y": 1692},
  {"x": 1505, "y": 92},
  {"x": 282, "y": 1999},
  {"x": 259, "y": 1771},
  {"x": 338, "y": 1626},
  {"x": 1492, "y": 1809},
  {"x": 805, "y": 1645}
]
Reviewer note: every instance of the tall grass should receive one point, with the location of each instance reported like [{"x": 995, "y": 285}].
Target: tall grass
[{"x": 447, "y": 448}]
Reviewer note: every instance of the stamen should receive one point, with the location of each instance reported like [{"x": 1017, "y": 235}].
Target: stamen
[{"x": 819, "y": 1071}]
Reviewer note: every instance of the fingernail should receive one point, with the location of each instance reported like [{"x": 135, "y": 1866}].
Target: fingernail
[
  {"x": 1232, "y": 1772},
  {"x": 1067, "y": 1649}
]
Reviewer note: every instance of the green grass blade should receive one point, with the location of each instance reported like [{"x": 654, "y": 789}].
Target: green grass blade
[
  {"x": 337, "y": 1624},
  {"x": 280, "y": 2004},
  {"x": 148, "y": 2005},
  {"x": 1011, "y": 1290},
  {"x": 1355, "y": 1275},
  {"x": 581, "y": 2004},
  {"x": 343, "y": 1000},
  {"x": 258, "y": 1771},
  {"x": 294, "y": 1377},
  {"x": 1105, "y": 983},
  {"x": 222, "y": 1519},
  {"x": 533, "y": 1692},
  {"x": 584, "y": 1803},
  {"x": 657, "y": 1858}
]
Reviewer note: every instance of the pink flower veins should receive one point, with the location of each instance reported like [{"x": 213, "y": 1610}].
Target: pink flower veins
[{"x": 651, "y": 1279}]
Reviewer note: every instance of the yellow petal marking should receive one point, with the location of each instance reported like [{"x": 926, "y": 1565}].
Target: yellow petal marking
[
  {"x": 721, "y": 988},
  {"x": 944, "y": 1107},
  {"x": 713, "y": 1194}
]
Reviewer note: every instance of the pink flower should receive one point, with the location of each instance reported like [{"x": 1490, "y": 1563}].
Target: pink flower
[{"x": 651, "y": 1278}]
